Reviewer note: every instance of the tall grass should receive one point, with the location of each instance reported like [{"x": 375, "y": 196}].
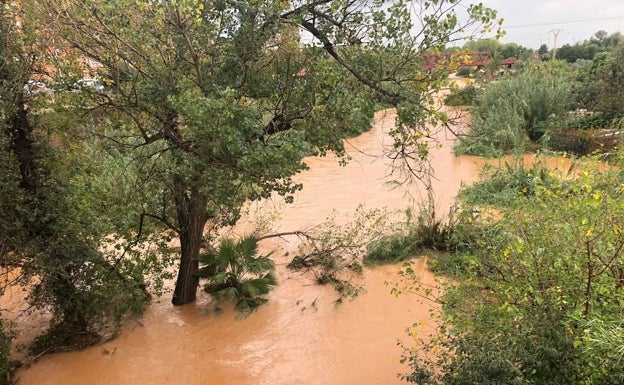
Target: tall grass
[
  {"x": 514, "y": 111},
  {"x": 502, "y": 186}
]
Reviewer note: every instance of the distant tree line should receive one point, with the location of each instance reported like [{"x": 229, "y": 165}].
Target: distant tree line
[
  {"x": 498, "y": 49},
  {"x": 601, "y": 41}
]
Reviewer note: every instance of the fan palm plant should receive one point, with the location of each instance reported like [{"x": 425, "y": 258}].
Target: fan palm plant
[{"x": 236, "y": 271}]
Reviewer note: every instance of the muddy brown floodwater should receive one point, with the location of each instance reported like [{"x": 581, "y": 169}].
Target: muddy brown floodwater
[{"x": 300, "y": 336}]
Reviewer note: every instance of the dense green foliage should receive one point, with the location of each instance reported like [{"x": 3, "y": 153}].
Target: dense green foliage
[
  {"x": 54, "y": 242},
  {"x": 600, "y": 84},
  {"x": 498, "y": 49},
  {"x": 217, "y": 103},
  {"x": 210, "y": 126},
  {"x": 234, "y": 272},
  {"x": 425, "y": 232},
  {"x": 515, "y": 110},
  {"x": 562, "y": 107},
  {"x": 537, "y": 292},
  {"x": 208, "y": 105},
  {"x": 391, "y": 249},
  {"x": 537, "y": 284},
  {"x": 203, "y": 107},
  {"x": 461, "y": 96},
  {"x": 503, "y": 185},
  {"x": 588, "y": 49}
]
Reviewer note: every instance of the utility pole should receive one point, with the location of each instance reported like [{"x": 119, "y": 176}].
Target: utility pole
[{"x": 555, "y": 33}]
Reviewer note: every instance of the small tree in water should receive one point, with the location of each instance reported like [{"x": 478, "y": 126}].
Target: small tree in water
[{"x": 234, "y": 271}]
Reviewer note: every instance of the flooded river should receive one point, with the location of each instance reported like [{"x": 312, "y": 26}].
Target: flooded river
[{"x": 300, "y": 336}]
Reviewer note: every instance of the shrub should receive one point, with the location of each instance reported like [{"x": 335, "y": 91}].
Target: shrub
[
  {"x": 494, "y": 133},
  {"x": 541, "y": 303},
  {"x": 390, "y": 249},
  {"x": 461, "y": 96},
  {"x": 515, "y": 109},
  {"x": 235, "y": 272},
  {"x": 502, "y": 186},
  {"x": 428, "y": 233},
  {"x": 464, "y": 71}
]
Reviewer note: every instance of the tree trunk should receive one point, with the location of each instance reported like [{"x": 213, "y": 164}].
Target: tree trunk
[
  {"x": 191, "y": 208},
  {"x": 22, "y": 145}
]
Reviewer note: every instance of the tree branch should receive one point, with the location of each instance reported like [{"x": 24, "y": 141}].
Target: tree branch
[{"x": 390, "y": 97}]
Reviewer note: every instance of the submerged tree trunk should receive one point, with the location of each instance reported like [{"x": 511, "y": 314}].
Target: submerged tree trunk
[{"x": 191, "y": 208}]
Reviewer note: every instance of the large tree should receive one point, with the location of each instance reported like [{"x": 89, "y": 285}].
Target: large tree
[
  {"x": 606, "y": 79},
  {"x": 49, "y": 235},
  {"x": 217, "y": 102}
]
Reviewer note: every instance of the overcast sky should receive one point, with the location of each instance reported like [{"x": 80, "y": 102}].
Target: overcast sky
[{"x": 534, "y": 22}]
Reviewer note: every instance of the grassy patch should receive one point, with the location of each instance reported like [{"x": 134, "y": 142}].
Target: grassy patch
[
  {"x": 426, "y": 233},
  {"x": 461, "y": 96},
  {"x": 501, "y": 186}
]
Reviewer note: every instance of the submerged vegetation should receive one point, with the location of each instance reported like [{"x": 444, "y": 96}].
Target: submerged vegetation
[
  {"x": 128, "y": 125},
  {"x": 424, "y": 233},
  {"x": 235, "y": 271}
]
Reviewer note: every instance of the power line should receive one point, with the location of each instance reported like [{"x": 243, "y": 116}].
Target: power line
[{"x": 564, "y": 22}]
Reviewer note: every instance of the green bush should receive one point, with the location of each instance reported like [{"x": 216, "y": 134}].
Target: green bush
[
  {"x": 390, "y": 249},
  {"x": 512, "y": 111},
  {"x": 464, "y": 71},
  {"x": 427, "y": 233},
  {"x": 600, "y": 86},
  {"x": 461, "y": 96},
  {"x": 494, "y": 133},
  {"x": 471, "y": 231},
  {"x": 539, "y": 299},
  {"x": 585, "y": 122},
  {"x": 235, "y": 272},
  {"x": 502, "y": 186},
  {"x": 433, "y": 233}
]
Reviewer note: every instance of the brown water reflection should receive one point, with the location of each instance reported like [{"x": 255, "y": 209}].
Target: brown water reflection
[{"x": 300, "y": 337}]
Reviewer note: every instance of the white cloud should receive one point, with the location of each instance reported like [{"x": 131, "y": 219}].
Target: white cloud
[{"x": 532, "y": 22}]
